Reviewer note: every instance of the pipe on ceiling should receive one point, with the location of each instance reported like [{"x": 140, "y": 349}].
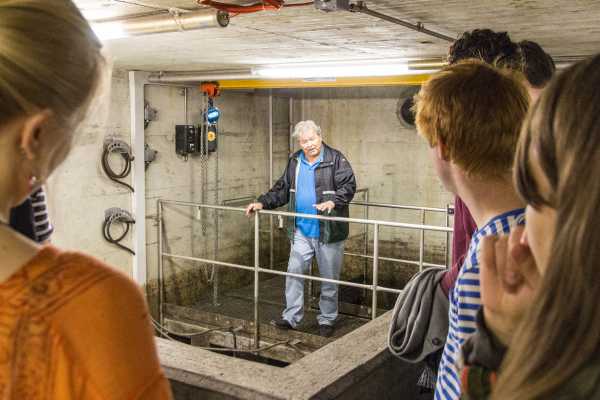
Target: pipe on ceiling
[
  {"x": 169, "y": 22},
  {"x": 361, "y": 7},
  {"x": 196, "y": 77}
]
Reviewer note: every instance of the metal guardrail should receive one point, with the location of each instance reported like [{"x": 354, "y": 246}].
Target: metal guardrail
[{"x": 257, "y": 269}]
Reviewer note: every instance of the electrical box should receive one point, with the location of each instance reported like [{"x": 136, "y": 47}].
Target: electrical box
[
  {"x": 192, "y": 139},
  {"x": 332, "y": 5},
  {"x": 186, "y": 140}
]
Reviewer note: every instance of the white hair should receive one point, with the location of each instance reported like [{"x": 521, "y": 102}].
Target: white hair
[{"x": 303, "y": 127}]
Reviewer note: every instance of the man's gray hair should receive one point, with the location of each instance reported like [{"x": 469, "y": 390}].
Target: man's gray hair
[{"x": 303, "y": 127}]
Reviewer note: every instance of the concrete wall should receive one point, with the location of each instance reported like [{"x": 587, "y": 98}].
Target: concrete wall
[
  {"x": 392, "y": 161},
  {"x": 238, "y": 169},
  {"x": 388, "y": 159},
  {"x": 79, "y": 191}
]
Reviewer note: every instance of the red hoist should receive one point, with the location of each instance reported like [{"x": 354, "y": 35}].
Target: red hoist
[{"x": 210, "y": 116}]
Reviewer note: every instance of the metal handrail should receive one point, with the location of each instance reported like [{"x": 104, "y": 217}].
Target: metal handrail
[
  {"x": 398, "y": 206},
  {"x": 374, "y": 287},
  {"x": 313, "y": 216}
]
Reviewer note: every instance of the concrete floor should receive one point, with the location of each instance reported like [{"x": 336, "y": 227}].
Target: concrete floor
[{"x": 239, "y": 304}]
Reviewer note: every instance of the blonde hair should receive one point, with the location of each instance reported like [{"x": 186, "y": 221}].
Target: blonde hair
[
  {"x": 49, "y": 59},
  {"x": 475, "y": 110},
  {"x": 560, "y": 334}
]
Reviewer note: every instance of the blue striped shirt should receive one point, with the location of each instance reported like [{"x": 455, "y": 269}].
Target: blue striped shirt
[{"x": 465, "y": 301}]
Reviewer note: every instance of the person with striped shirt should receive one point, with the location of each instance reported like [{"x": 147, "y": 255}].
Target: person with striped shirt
[
  {"x": 31, "y": 218},
  {"x": 470, "y": 114}
]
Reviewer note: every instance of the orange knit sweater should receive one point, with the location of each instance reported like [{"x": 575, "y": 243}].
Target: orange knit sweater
[{"x": 74, "y": 328}]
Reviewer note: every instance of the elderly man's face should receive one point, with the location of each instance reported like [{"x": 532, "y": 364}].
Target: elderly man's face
[{"x": 310, "y": 143}]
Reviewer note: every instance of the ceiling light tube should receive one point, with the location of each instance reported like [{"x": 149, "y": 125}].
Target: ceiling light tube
[{"x": 330, "y": 70}]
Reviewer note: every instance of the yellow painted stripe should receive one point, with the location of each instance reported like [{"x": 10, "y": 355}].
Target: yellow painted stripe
[{"x": 401, "y": 80}]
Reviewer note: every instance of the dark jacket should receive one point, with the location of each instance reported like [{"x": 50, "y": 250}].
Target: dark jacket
[{"x": 334, "y": 180}]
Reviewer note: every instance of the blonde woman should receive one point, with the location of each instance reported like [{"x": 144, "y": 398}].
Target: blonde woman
[
  {"x": 70, "y": 326},
  {"x": 541, "y": 285}
]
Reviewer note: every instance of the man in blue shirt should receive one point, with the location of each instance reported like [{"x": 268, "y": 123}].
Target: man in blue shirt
[{"x": 318, "y": 180}]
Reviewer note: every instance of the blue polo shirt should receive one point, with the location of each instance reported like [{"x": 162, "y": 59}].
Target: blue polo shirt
[{"x": 306, "y": 197}]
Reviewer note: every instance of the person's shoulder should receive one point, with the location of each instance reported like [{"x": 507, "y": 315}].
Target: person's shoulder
[
  {"x": 109, "y": 323},
  {"x": 88, "y": 265},
  {"x": 86, "y": 279},
  {"x": 335, "y": 153}
]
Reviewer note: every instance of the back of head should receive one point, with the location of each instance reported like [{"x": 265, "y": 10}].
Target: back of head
[
  {"x": 474, "y": 110},
  {"x": 494, "y": 48},
  {"x": 49, "y": 59},
  {"x": 538, "y": 66},
  {"x": 562, "y": 134}
]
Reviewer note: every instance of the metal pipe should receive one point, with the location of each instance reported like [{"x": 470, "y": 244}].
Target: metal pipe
[
  {"x": 396, "y": 260},
  {"x": 182, "y": 77},
  {"x": 375, "y": 270},
  {"x": 256, "y": 279},
  {"x": 281, "y": 273},
  {"x": 291, "y": 121},
  {"x": 170, "y": 85},
  {"x": 361, "y": 7},
  {"x": 313, "y": 216},
  {"x": 270, "y": 139},
  {"x": 398, "y": 206},
  {"x": 185, "y": 103},
  {"x": 422, "y": 242},
  {"x": 271, "y": 254},
  {"x": 310, "y": 283},
  {"x": 366, "y": 240},
  {"x": 215, "y": 269},
  {"x": 160, "y": 262},
  {"x": 238, "y": 200},
  {"x": 207, "y": 261},
  {"x": 161, "y": 23}
]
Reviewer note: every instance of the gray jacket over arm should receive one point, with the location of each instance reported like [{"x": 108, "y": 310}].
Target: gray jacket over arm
[{"x": 420, "y": 319}]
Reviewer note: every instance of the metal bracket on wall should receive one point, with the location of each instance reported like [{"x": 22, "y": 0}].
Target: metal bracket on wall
[{"x": 150, "y": 114}]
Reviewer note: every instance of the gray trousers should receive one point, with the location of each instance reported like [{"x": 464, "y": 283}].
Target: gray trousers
[{"x": 329, "y": 259}]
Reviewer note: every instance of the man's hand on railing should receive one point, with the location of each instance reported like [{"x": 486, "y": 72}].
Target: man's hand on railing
[
  {"x": 325, "y": 207},
  {"x": 252, "y": 207}
]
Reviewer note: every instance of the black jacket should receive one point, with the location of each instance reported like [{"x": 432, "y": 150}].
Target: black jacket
[{"x": 334, "y": 180}]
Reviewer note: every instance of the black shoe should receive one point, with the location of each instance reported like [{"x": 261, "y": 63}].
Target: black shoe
[
  {"x": 326, "y": 330},
  {"x": 281, "y": 324}
]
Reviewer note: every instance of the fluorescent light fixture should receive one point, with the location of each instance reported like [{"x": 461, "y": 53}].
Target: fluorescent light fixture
[
  {"x": 332, "y": 70},
  {"x": 109, "y": 30}
]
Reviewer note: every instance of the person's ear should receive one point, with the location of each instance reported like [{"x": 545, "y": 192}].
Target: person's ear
[
  {"x": 33, "y": 129},
  {"x": 441, "y": 151}
]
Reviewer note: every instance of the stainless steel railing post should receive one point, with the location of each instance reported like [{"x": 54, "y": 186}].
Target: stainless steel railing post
[
  {"x": 422, "y": 241},
  {"x": 366, "y": 248},
  {"x": 160, "y": 263},
  {"x": 257, "y": 269},
  {"x": 375, "y": 270},
  {"x": 256, "y": 277}
]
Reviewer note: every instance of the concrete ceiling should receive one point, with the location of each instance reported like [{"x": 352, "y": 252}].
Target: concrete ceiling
[{"x": 566, "y": 28}]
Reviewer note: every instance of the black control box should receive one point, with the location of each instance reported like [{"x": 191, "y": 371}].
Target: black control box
[{"x": 187, "y": 140}]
